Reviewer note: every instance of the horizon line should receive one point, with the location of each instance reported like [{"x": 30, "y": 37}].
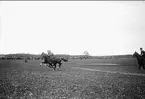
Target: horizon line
[{"x": 69, "y": 54}]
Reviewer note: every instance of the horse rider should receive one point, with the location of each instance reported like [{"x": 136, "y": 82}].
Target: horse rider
[
  {"x": 142, "y": 52},
  {"x": 43, "y": 60},
  {"x": 50, "y": 54}
]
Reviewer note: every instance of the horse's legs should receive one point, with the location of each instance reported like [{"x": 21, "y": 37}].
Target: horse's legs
[
  {"x": 50, "y": 65},
  {"x": 143, "y": 66},
  {"x": 54, "y": 66},
  {"x": 60, "y": 65},
  {"x": 40, "y": 64},
  {"x": 139, "y": 66}
]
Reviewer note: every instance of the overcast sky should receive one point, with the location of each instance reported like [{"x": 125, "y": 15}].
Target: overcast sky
[{"x": 71, "y": 27}]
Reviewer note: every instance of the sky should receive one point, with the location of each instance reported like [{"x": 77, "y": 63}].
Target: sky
[{"x": 72, "y": 27}]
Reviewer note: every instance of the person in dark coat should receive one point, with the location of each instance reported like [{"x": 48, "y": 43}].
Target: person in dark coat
[{"x": 142, "y": 52}]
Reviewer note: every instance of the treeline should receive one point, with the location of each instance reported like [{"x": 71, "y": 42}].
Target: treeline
[
  {"x": 100, "y": 57},
  {"x": 20, "y": 56},
  {"x": 113, "y": 57},
  {"x": 37, "y": 57}
]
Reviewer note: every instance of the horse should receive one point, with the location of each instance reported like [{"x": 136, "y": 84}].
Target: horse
[
  {"x": 140, "y": 60},
  {"x": 58, "y": 61},
  {"x": 52, "y": 62},
  {"x": 46, "y": 61}
]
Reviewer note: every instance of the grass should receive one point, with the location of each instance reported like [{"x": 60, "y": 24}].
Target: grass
[{"x": 20, "y": 80}]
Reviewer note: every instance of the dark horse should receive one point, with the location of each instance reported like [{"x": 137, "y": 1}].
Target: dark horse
[
  {"x": 47, "y": 61},
  {"x": 52, "y": 62},
  {"x": 58, "y": 61},
  {"x": 140, "y": 60}
]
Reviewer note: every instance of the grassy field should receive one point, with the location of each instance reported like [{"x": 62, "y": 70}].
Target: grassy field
[{"x": 19, "y": 80}]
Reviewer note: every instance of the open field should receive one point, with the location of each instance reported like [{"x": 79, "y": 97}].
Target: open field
[{"x": 77, "y": 79}]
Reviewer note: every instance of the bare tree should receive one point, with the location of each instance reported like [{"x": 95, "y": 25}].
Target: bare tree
[
  {"x": 49, "y": 52},
  {"x": 86, "y": 54}
]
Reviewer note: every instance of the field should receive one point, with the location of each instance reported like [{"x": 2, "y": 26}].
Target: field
[{"x": 76, "y": 79}]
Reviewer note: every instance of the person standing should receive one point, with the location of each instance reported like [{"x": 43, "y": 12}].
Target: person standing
[{"x": 142, "y": 52}]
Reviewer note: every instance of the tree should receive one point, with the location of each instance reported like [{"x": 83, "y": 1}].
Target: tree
[
  {"x": 86, "y": 53},
  {"x": 49, "y": 52}
]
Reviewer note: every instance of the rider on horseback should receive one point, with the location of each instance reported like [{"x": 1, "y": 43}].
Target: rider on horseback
[
  {"x": 43, "y": 60},
  {"x": 142, "y": 52},
  {"x": 50, "y": 54},
  {"x": 50, "y": 60}
]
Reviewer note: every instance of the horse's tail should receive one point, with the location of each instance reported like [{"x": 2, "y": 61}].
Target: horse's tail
[{"x": 65, "y": 60}]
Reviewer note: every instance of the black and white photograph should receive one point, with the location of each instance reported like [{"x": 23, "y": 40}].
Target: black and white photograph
[{"x": 72, "y": 49}]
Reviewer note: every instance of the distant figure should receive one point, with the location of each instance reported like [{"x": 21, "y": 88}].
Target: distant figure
[
  {"x": 25, "y": 60},
  {"x": 142, "y": 52}
]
